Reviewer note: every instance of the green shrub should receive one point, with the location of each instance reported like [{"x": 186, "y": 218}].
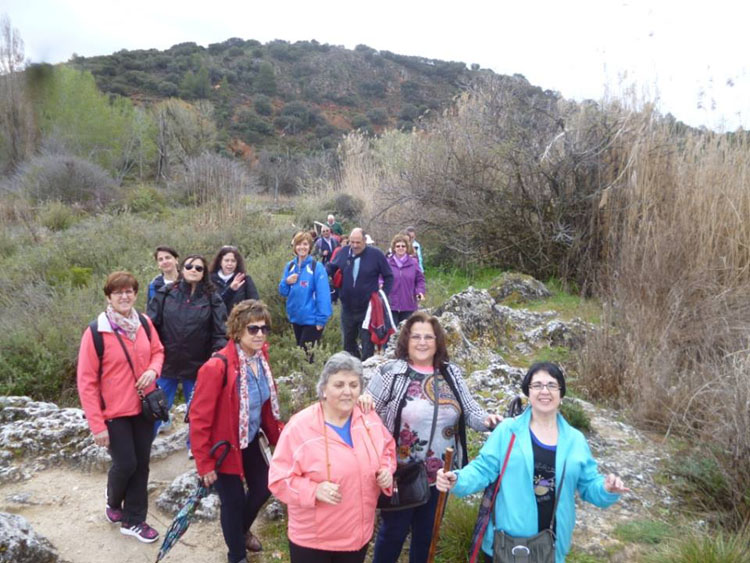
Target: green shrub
[
  {"x": 575, "y": 415},
  {"x": 345, "y": 207},
  {"x": 147, "y": 200},
  {"x": 644, "y": 531},
  {"x": 57, "y": 216},
  {"x": 455, "y": 533}
]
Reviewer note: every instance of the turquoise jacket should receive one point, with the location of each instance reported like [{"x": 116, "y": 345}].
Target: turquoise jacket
[{"x": 515, "y": 507}]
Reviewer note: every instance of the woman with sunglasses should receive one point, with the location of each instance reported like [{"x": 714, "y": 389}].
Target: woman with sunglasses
[
  {"x": 547, "y": 462},
  {"x": 236, "y": 400},
  {"x": 408, "y": 280},
  {"x": 191, "y": 320},
  {"x": 230, "y": 278},
  {"x": 424, "y": 402}
]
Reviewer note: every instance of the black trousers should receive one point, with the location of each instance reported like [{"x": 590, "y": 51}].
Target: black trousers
[
  {"x": 238, "y": 507},
  {"x": 299, "y": 554},
  {"x": 399, "y": 316},
  {"x": 130, "y": 449},
  {"x": 351, "y": 324},
  {"x": 307, "y": 336}
]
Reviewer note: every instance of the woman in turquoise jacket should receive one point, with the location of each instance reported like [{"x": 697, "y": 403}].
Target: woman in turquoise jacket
[
  {"x": 304, "y": 283},
  {"x": 545, "y": 448}
]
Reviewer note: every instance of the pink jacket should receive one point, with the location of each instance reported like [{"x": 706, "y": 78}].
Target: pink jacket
[
  {"x": 117, "y": 385},
  {"x": 299, "y": 465}
]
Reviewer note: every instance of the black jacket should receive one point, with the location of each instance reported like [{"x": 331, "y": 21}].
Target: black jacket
[
  {"x": 230, "y": 296},
  {"x": 191, "y": 328}
]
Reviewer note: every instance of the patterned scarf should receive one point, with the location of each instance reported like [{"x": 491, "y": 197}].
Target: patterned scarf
[
  {"x": 127, "y": 325},
  {"x": 245, "y": 395}
]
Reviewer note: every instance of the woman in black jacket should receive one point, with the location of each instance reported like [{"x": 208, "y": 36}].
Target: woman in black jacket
[
  {"x": 191, "y": 320},
  {"x": 231, "y": 279}
]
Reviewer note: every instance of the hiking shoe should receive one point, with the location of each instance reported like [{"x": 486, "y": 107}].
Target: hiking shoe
[
  {"x": 142, "y": 532},
  {"x": 190, "y": 454},
  {"x": 113, "y": 515}
]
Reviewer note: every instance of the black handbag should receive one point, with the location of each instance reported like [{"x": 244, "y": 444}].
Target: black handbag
[
  {"x": 410, "y": 485},
  {"x": 154, "y": 405}
]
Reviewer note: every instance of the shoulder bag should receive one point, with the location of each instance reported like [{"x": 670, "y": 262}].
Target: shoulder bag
[
  {"x": 410, "y": 485},
  {"x": 154, "y": 405}
]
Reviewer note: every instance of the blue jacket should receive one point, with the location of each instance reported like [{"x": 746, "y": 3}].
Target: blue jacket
[
  {"x": 309, "y": 300},
  {"x": 515, "y": 507}
]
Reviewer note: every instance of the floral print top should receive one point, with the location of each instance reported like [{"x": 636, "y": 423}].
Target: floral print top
[{"x": 416, "y": 421}]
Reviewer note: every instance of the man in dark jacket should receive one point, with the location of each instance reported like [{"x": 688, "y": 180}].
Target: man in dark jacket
[{"x": 362, "y": 267}]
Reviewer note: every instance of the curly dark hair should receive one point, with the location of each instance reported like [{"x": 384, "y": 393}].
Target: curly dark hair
[{"x": 216, "y": 262}]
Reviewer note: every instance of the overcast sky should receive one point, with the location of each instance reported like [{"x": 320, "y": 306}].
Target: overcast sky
[{"x": 689, "y": 57}]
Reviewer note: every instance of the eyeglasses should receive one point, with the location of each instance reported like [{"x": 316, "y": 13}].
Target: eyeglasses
[
  {"x": 124, "y": 293},
  {"x": 425, "y": 337},
  {"x": 551, "y": 386},
  {"x": 254, "y": 329},
  {"x": 399, "y": 246},
  {"x": 197, "y": 268}
]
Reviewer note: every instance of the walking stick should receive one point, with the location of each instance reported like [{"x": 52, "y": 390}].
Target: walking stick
[{"x": 442, "y": 498}]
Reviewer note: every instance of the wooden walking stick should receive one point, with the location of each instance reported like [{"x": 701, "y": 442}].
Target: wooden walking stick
[{"x": 442, "y": 498}]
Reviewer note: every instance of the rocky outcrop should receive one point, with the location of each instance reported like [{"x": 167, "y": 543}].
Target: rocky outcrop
[
  {"x": 20, "y": 544},
  {"x": 177, "y": 493},
  {"x": 518, "y": 288}
]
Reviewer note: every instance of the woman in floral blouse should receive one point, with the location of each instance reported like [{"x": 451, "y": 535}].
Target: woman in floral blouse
[{"x": 403, "y": 393}]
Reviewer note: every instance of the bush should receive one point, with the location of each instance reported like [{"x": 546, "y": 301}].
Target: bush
[
  {"x": 211, "y": 178},
  {"x": 575, "y": 415},
  {"x": 146, "y": 199},
  {"x": 379, "y": 116},
  {"x": 57, "y": 216},
  {"x": 262, "y": 105},
  {"x": 66, "y": 179},
  {"x": 345, "y": 207}
]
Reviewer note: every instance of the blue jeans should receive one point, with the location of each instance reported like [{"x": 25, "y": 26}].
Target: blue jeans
[
  {"x": 169, "y": 386},
  {"x": 395, "y": 525}
]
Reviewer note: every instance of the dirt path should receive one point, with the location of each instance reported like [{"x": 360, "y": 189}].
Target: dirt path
[{"x": 67, "y": 507}]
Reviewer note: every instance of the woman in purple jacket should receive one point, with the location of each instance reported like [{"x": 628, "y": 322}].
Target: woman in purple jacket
[{"x": 408, "y": 280}]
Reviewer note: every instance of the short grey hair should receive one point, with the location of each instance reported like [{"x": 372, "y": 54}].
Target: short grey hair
[{"x": 340, "y": 361}]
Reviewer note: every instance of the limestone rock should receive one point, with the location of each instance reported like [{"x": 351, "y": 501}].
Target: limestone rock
[
  {"x": 176, "y": 495},
  {"x": 519, "y": 288},
  {"x": 478, "y": 316},
  {"x": 568, "y": 334},
  {"x": 274, "y": 510},
  {"x": 20, "y": 544}
]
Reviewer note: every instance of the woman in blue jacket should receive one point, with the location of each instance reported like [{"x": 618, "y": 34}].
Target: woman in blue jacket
[
  {"x": 545, "y": 449},
  {"x": 304, "y": 283}
]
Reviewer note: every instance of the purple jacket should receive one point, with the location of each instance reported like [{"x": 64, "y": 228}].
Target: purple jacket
[{"x": 407, "y": 283}]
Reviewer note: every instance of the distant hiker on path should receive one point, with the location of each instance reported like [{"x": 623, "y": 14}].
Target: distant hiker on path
[
  {"x": 304, "y": 283},
  {"x": 167, "y": 260},
  {"x": 362, "y": 267},
  {"x": 325, "y": 245},
  {"x": 108, "y": 384},
  {"x": 230, "y": 277},
  {"x": 412, "y": 232},
  {"x": 548, "y": 461},
  {"x": 408, "y": 279},
  {"x": 335, "y": 226}
]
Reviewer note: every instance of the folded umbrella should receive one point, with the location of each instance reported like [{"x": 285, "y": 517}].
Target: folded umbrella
[{"x": 181, "y": 522}]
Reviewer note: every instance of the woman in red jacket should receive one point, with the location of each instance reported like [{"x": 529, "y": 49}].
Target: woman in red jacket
[
  {"x": 109, "y": 380},
  {"x": 235, "y": 400}
]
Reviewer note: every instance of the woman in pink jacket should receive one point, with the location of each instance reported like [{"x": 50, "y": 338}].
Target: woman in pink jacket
[
  {"x": 330, "y": 465},
  {"x": 127, "y": 360}
]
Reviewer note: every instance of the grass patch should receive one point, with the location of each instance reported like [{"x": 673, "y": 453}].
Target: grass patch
[
  {"x": 566, "y": 303},
  {"x": 442, "y": 283},
  {"x": 718, "y": 547},
  {"x": 455, "y": 533},
  {"x": 575, "y": 415},
  {"x": 649, "y": 532}
]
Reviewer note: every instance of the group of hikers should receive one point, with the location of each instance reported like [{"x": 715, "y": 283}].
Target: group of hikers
[{"x": 334, "y": 462}]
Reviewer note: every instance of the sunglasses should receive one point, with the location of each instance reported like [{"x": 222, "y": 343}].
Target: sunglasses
[
  {"x": 254, "y": 329},
  {"x": 197, "y": 268}
]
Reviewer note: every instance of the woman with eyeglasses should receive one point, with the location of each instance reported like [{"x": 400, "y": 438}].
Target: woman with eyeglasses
[
  {"x": 111, "y": 374},
  {"x": 408, "y": 279},
  {"x": 424, "y": 402},
  {"x": 547, "y": 462},
  {"x": 191, "y": 320},
  {"x": 330, "y": 466},
  {"x": 230, "y": 278},
  {"x": 236, "y": 400},
  {"x": 304, "y": 283}
]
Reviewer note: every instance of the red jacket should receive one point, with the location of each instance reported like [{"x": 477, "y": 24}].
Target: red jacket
[
  {"x": 299, "y": 466},
  {"x": 117, "y": 384},
  {"x": 215, "y": 413}
]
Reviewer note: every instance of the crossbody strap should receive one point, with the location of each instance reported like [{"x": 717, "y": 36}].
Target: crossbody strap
[
  {"x": 434, "y": 413},
  {"x": 500, "y": 478},
  {"x": 130, "y": 361},
  {"x": 557, "y": 496}
]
